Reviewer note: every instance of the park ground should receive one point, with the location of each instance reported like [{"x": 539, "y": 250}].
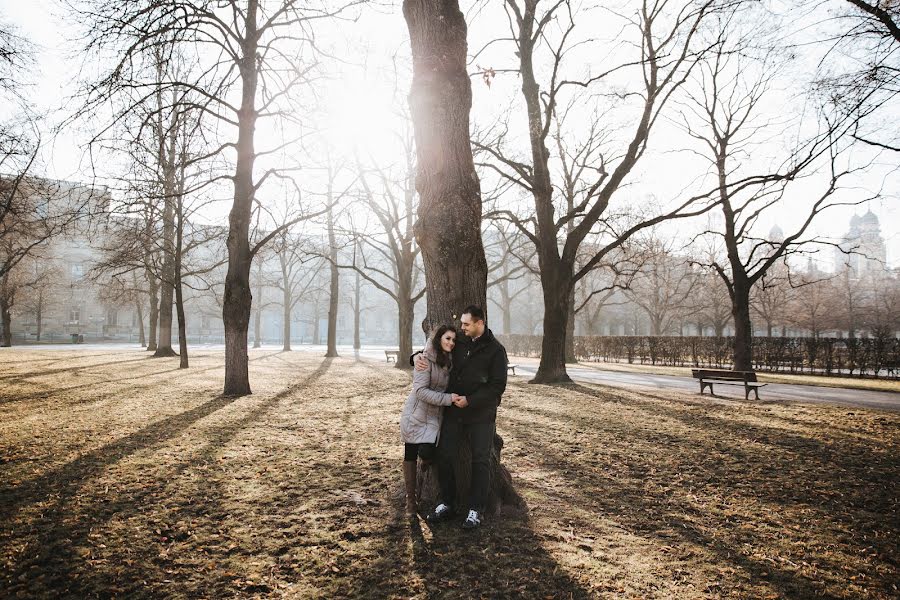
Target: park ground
[{"x": 123, "y": 476}]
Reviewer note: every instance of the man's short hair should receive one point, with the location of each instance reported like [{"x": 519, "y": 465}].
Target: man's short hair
[{"x": 476, "y": 312}]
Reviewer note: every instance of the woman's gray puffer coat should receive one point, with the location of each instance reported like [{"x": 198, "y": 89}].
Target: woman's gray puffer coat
[{"x": 420, "y": 422}]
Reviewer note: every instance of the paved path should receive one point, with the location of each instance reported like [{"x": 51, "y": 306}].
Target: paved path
[
  {"x": 773, "y": 391},
  {"x": 527, "y": 367}
]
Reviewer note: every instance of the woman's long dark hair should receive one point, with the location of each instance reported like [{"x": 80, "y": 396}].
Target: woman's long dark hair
[{"x": 442, "y": 358}]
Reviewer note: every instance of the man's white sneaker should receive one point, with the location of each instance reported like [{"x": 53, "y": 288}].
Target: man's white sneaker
[
  {"x": 472, "y": 521},
  {"x": 441, "y": 512}
]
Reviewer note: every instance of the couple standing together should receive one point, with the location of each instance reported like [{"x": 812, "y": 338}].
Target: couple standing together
[{"x": 457, "y": 385}]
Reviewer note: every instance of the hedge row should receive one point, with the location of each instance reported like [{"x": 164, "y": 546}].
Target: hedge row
[{"x": 874, "y": 357}]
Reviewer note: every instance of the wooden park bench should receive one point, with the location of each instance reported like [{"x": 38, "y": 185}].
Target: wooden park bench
[
  {"x": 511, "y": 368},
  {"x": 745, "y": 378},
  {"x": 391, "y": 355}
]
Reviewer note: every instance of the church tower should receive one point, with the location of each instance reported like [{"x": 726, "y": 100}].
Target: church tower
[{"x": 866, "y": 248}]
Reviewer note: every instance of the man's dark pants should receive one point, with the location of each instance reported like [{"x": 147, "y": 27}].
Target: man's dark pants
[{"x": 481, "y": 438}]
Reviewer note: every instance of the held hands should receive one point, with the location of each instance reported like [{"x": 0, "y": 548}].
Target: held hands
[{"x": 459, "y": 401}]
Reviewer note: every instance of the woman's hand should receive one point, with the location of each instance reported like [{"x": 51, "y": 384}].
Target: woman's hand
[{"x": 459, "y": 401}]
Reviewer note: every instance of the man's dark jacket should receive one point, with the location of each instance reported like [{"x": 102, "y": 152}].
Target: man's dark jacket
[{"x": 479, "y": 374}]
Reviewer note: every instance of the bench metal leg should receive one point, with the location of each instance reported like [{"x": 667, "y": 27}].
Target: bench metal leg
[{"x": 704, "y": 385}]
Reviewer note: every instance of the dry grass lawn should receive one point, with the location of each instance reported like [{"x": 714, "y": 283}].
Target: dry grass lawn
[{"x": 123, "y": 476}]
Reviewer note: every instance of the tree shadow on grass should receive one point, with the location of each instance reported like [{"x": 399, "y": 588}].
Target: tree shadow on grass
[
  {"x": 53, "y": 391},
  {"x": 60, "y": 560},
  {"x": 648, "y": 482},
  {"x": 504, "y": 558},
  {"x": 851, "y": 483},
  {"x": 17, "y": 377}
]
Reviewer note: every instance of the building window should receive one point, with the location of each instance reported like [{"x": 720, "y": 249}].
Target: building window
[
  {"x": 75, "y": 315},
  {"x": 77, "y": 271},
  {"x": 204, "y": 322},
  {"x": 112, "y": 317}
]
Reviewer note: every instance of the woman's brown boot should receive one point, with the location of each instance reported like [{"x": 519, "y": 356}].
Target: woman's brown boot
[{"x": 409, "y": 478}]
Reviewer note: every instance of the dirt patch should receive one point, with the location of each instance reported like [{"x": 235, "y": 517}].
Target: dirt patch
[{"x": 121, "y": 475}]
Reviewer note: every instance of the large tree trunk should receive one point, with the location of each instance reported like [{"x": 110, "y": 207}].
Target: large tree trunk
[
  {"x": 552, "y": 368},
  {"x": 179, "y": 292},
  {"x": 570, "y": 330},
  {"x": 405, "y": 316},
  {"x": 139, "y": 309},
  {"x": 287, "y": 302},
  {"x": 317, "y": 330},
  {"x": 257, "y": 321},
  {"x": 5, "y": 314},
  {"x": 167, "y": 153},
  {"x": 448, "y": 229},
  {"x": 154, "y": 311},
  {"x": 238, "y": 298},
  {"x": 357, "y": 310},
  {"x": 507, "y": 306},
  {"x": 286, "y": 318},
  {"x": 334, "y": 288},
  {"x": 743, "y": 331},
  {"x": 164, "y": 345},
  {"x": 142, "y": 340},
  {"x": 39, "y": 315}
]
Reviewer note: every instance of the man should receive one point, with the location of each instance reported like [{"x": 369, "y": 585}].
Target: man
[{"x": 477, "y": 380}]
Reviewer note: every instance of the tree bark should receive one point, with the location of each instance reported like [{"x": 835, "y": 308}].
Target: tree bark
[
  {"x": 154, "y": 311},
  {"x": 139, "y": 309},
  {"x": 448, "y": 229},
  {"x": 286, "y": 303},
  {"x": 357, "y": 310},
  {"x": 743, "y": 331},
  {"x": 142, "y": 339},
  {"x": 570, "y": 331},
  {"x": 334, "y": 288},
  {"x": 179, "y": 292},
  {"x": 5, "y": 313},
  {"x": 507, "y": 306},
  {"x": 257, "y": 320},
  {"x": 552, "y": 368},
  {"x": 39, "y": 315},
  {"x": 168, "y": 139},
  {"x": 405, "y": 318},
  {"x": 317, "y": 330},
  {"x": 238, "y": 298}
]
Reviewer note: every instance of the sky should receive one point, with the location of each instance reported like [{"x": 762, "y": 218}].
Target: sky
[{"x": 364, "y": 98}]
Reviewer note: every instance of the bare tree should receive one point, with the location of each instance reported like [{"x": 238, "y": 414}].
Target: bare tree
[
  {"x": 448, "y": 229},
  {"x": 860, "y": 70},
  {"x": 510, "y": 260},
  {"x": 726, "y": 98},
  {"x": 593, "y": 170},
  {"x": 813, "y": 307},
  {"x": 663, "y": 286},
  {"x": 880, "y": 309},
  {"x": 388, "y": 257},
  {"x": 39, "y": 292},
  {"x": 771, "y": 297},
  {"x": 300, "y": 267},
  {"x": 256, "y": 52}
]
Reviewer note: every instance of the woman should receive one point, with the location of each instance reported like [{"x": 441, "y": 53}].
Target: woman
[{"x": 420, "y": 424}]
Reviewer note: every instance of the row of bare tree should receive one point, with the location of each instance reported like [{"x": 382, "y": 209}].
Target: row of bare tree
[{"x": 185, "y": 91}]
